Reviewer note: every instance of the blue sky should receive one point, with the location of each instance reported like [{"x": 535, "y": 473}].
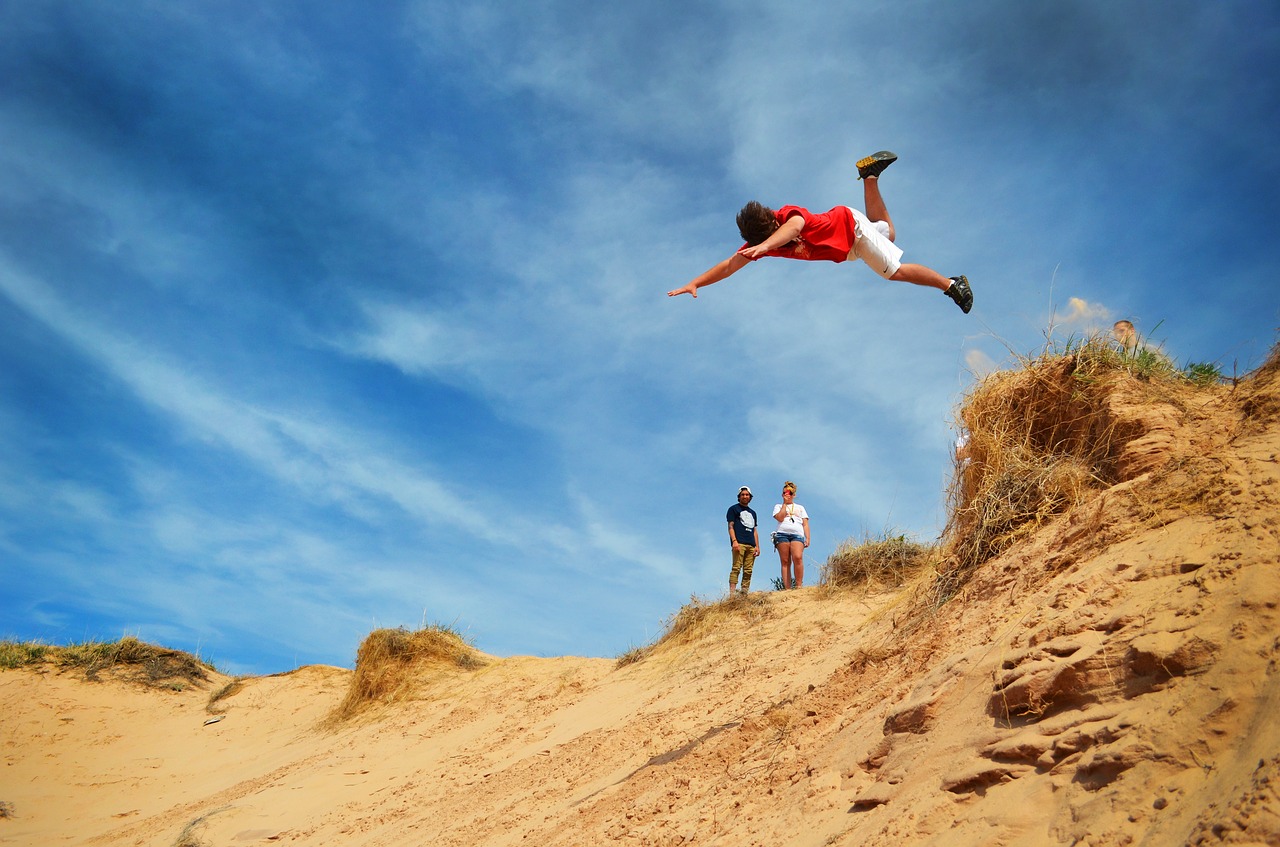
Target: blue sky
[{"x": 319, "y": 318}]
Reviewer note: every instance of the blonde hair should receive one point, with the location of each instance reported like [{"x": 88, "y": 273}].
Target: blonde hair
[{"x": 789, "y": 484}]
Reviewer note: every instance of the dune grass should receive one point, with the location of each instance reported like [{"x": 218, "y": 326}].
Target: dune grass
[
  {"x": 188, "y": 836},
  {"x": 390, "y": 662},
  {"x": 698, "y": 617},
  {"x": 631, "y": 656},
  {"x": 1041, "y": 438},
  {"x": 130, "y": 658},
  {"x": 877, "y": 562},
  {"x": 232, "y": 688},
  {"x": 21, "y": 654}
]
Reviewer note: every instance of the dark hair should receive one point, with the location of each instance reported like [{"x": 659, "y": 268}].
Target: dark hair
[{"x": 756, "y": 222}]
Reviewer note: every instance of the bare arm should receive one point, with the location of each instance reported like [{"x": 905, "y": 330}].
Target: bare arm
[{"x": 722, "y": 270}]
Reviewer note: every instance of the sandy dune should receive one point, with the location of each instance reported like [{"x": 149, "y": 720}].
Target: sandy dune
[{"x": 1111, "y": 680}]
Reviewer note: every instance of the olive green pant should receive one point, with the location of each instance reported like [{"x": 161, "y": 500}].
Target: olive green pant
[{"x": 744, "y": 558}]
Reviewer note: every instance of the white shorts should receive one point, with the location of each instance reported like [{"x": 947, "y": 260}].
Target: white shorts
[{"x": 874, "y": 247}]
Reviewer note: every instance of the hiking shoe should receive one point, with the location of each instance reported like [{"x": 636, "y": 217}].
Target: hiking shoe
[
  {"x": 875, "y": 163},
  {"x": 961, "y": 293}
]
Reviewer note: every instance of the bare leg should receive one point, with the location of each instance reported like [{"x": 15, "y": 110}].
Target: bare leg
[
  {"x": 876, "y": 209},
  {"x": 920, "y": 275},
  {"x": 797, "y": 562},
  {"x": 784, "y": 556}
]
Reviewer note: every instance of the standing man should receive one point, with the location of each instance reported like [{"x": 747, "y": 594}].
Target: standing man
[{"x": 745, "y": 539}]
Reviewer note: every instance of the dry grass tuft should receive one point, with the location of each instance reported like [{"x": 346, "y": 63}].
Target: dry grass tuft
[
  {"x": 1040, "y": 439},
  {"x": 390, "y": 661},
  {"x": 232, "y": 688},
  {"x": 1260, "y": 400},
  {"x": 697, "y": 618},
  {"x": 635, "y": 654},
  {"x": 128, "y": 658},
  {"x": 188, "y": 837},
  {"x": 876, "y": 563}
]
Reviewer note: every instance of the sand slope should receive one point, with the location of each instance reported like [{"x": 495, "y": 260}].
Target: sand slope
[{"x": 1112, "y": 680}]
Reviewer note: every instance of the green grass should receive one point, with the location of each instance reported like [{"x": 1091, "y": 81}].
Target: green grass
[
  {"x": 1099, "y": 354},
  {"x": 1203, "y": 373},
  {"x": 21, "y": 654}
]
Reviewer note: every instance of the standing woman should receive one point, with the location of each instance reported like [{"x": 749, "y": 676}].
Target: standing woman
[{"x": 792, "y": 536}]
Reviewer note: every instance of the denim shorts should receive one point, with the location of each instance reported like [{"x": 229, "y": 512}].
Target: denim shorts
[{"x": 786, "y": 537}]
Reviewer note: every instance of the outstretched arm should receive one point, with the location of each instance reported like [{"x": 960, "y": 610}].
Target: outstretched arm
[{"x": 722, "y": 270}]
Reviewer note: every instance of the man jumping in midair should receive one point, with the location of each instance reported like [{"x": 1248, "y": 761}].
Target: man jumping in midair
[{"x": 839, "y": 235}]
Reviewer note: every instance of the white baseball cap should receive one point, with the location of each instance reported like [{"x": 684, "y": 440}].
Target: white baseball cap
[{"x": 744, "y": 488}]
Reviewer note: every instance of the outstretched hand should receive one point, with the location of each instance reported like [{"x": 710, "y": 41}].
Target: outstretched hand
[
  {"x": 718, "y": 271},
  {"x": 754, "y": 252}
]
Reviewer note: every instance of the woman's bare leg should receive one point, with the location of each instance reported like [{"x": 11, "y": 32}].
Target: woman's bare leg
[
  {"x": 784, "y": 557},
  {"x": 797, "y": 562}
]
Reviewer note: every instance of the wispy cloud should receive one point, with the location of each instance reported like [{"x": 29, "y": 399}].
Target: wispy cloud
[
  {"x": 1082, "y": 314},
  {"x": 979, "y": 363}
]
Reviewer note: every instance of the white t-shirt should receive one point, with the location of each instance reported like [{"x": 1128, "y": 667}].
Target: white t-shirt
[{"x": 794, "y": 522}]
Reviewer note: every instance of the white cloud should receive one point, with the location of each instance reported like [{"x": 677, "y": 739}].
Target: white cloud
[
  {"x": 979, "y": 363},
  {"x": 1085, "y": 315}
]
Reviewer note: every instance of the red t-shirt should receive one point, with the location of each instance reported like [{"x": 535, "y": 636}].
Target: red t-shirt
[{"x": 826, "y": 237}]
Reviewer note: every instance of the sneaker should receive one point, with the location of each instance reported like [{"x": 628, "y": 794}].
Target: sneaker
[
  {"x": 875, "y": 163},
  {"x": 961, "y": 293}
]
